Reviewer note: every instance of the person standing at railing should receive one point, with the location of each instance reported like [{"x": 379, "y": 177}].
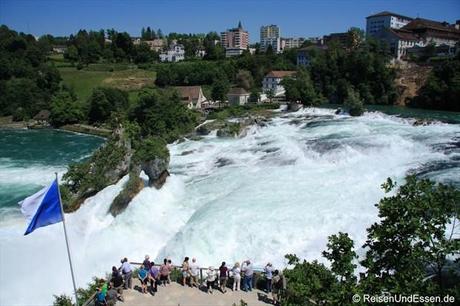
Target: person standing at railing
[
  {"x": 185, "y": 271},
  {"x": 170, "y": 268},
  {"x": 210, "y": 278},
  {"x": 236, "y": 274},
  {"x": 117, "y": 281},
  {"x": 127, "y": 271},
  {"x": 268, "y": 277},
  {"x": 154, "y": 276},
  {"x": 164, "y": 272},
  {"x": 248, "y": 275},
  {"x": 223, "y": 275},
  {"x": 277, "y": 283},
  {"x": 146, "y": 262},
  {"x": 194, "y": 273},
  {"x": 143, "y": 275}
]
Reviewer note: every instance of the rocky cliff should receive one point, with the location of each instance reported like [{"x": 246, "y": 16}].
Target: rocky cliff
[{"x": 410, "y": 78}]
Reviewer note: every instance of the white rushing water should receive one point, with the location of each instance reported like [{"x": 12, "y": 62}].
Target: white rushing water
[{"x": 283, "y": 188}]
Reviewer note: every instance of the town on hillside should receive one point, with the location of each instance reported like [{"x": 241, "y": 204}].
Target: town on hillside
[
  {"x": 407, "y": 39},
  {"x": 212, "y": 71}
]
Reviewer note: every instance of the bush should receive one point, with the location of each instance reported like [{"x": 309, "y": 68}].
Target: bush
[
  {"x": 354, "y": 103},
  {"x": 151, "y": 147},
  {"x": 65, "y": 109},
  {"x": 62, "y": 300}
]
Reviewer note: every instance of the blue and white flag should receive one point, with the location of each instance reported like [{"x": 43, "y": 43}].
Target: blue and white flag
[{"x": 42, "y": 208}]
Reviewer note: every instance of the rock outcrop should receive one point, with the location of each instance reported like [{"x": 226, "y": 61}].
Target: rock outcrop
[
  {"x": 152, "y": 157},
  {"x": 410, "y": 78},
  {"x": 157, "y": 171}
]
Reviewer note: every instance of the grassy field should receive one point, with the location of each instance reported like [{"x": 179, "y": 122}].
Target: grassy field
[{"x": 83, "y": 81}]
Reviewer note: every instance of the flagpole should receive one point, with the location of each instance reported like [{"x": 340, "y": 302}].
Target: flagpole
[{"x": 67, "y": 242}]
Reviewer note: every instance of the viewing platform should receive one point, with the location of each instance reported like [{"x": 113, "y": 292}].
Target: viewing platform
[{"x": 175, "y": 294}]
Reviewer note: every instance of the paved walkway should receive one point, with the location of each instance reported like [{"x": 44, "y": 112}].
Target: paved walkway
[{"x": 176, "y": 295}]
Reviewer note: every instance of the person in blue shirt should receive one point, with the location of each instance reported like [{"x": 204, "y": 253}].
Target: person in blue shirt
[
  {"x": 99, "y": 299},
  {"x": 127, "y": 271},
  {"x": 143, "y": 275}
]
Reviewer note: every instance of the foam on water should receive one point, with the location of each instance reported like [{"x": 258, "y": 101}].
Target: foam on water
[{"x": 281, "y": 189}]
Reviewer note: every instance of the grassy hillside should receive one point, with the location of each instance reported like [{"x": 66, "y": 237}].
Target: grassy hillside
[{"x": 83, "y": 81}]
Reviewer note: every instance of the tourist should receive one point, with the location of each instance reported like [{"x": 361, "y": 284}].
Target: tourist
[
  {"x": 127, "y": 271},
  {"x": 210, "y": 279},
  {"x": 194, "y": 273},
  {"x": 248, "y": 274},
  {"x": 236, "y": 274},
  {"x": 170, "y": 268},
  {"x": 154, "y": 274},
  {"x": 143, "y": 275},
  {"x": 268, "y": 276},
  {"x": 223, "y": 275},
  {"x": 277, "y": 285},
  {"x": 185, "y": 271},
  {"x": 111, "y": 296},
  {"x": 99, "y": 298},
  {"x": 146, "y": 262},
  {"x": 164, "y": 272},
  {"x": 117, "y": 281}
]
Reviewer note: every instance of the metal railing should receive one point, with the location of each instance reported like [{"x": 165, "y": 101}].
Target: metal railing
[{"x": 257, "y": 274}]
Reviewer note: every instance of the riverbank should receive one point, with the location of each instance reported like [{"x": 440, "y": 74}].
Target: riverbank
[{"x": 8, "y": 123}]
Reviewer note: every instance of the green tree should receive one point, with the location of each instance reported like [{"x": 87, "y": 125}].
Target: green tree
[
  {"x": 409, "y": 249},
  {"x": 161, "y": 113},
  {"x": 65, "y": 109},
  {"x": 341, "y": 254},
  {"x": 354, "y": 103},
  {"x": 71, "y": 54},
  {"x": 270, "y": 94},
  {"x": 104, "y": 101},
  {"x": 308, "y": 283},
  {"x": 301, "y": 89},
  {"x": 219, "y": 90}
]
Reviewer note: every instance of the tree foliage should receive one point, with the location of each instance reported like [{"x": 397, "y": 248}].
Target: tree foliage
[
  {"x": 415, "y": 238},
  {"x": 104, "y": 101},
  {"x": 413, "y": 249},
  {"x": 300, "y": 88},
  {"x": 442, "y": 88},
  {"x": 65, "y": 109},
  {"x": 161, "y": 113},
  {"x": 27, "y": 83}
]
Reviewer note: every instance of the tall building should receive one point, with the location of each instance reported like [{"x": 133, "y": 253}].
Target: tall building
[
  {"x": 235, "y": 41},
  {"x": 270, "y": 36},
  {"x": 385, "y": 20},
  {"x": 289, "y": 43}
]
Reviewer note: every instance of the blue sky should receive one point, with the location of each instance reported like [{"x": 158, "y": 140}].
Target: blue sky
[{"x": 295, "y": 17}]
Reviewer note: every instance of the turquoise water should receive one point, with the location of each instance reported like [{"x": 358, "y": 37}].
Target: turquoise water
[{"x": 29, "y": 159}]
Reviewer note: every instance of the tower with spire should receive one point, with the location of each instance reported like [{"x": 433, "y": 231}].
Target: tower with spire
[{"x": 235, "y": 40}]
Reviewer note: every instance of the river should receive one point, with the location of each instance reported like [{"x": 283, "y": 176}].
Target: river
[{"x": 281, "y": 189}]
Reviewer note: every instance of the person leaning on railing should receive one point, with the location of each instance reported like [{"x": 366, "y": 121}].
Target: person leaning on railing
[
  {"x": 127, "y": 271},
  {"x": 154, "y": 277},
  {"x": 194, "y": 273},
  {"x": 117, "y": 281}
]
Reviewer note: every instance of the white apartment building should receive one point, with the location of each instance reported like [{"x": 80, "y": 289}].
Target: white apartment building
[
  {"x": 289, "y": 43},
  {"x": 270, "y": 36},
  {"x": 175, "y": 53},
  {"x": 385, "y": 20}
]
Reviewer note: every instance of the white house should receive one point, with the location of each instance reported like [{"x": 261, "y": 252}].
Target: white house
[
  {"x": 237, "y": 96},
  {"x": 271, "y": 82},
  {"x": 192, "y": 96},
  {"x": 385, "y": 20},
  {"x": 175, "y": 53}
]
